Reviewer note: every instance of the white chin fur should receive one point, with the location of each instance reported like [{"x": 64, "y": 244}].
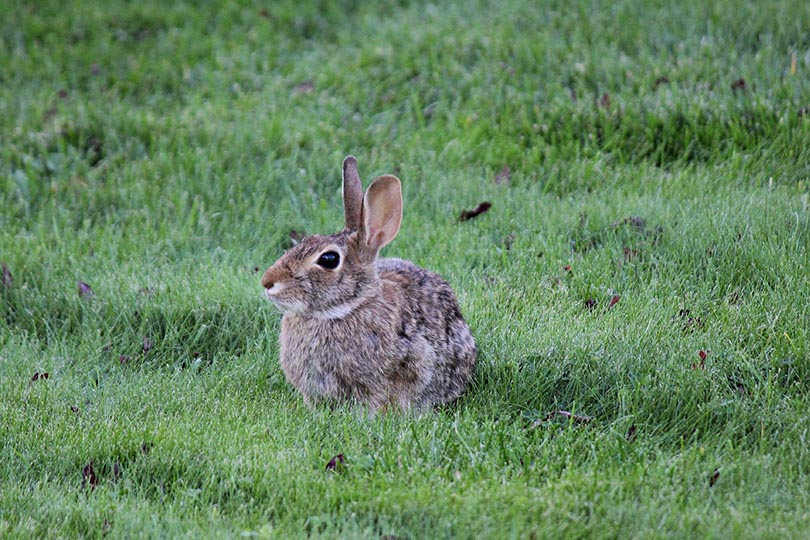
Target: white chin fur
[
  {"x": 300, "y": 308},
  {"x": 297, "y": 308},
  {"x": 287, "y": 305}
]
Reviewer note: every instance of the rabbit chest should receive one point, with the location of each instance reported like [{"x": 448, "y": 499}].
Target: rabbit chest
[{"x": 338, "y": 359}]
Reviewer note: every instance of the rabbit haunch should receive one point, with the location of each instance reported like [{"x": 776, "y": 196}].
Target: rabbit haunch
[{"x": 379, "y": 332}]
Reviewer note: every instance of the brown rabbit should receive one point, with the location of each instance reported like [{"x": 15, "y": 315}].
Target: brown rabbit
[{"x": 379, "y": 332}]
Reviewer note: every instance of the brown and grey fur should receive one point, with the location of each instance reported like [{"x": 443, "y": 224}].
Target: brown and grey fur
[{"x": 379, "y": 332}]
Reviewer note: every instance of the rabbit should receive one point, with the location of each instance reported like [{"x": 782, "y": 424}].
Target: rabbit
[{"x": 379, "y": 332}]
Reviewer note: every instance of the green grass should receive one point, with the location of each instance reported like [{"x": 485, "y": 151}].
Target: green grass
[{"x": 163, "y": 153}]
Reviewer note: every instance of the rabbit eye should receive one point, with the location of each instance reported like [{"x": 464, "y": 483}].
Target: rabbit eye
[{"x": 329, "y": 260}]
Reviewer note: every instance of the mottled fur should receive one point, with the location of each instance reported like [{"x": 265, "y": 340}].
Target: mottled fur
[{"x": 379, "y": 332}]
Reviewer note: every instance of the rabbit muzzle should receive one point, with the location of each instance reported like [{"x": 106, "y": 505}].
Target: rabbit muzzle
[
  {"x": 274, "y": 281},
  {"x": 273, "y": 290}
]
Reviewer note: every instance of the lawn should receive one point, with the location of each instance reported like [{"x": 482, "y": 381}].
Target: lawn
[{"x": 639, "y": 289}]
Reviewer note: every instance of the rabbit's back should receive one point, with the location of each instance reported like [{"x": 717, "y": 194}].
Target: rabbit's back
[{"x": 430, "y": 322}]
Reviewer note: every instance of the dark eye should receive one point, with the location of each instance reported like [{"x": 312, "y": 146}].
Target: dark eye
[{"x": 329, "y": 260}]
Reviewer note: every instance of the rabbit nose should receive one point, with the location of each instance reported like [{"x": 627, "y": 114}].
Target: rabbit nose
[{"x": 267, "y": 279}]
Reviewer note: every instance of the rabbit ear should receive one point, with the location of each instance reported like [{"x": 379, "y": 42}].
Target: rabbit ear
[
  {"x": 382, "y": 211},
  {"x": 352, "y": 194}
]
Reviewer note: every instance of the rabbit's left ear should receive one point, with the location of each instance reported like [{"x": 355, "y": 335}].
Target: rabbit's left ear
[
  {"x": 382, "y": 211},
  {"x": 352, "y": 194}
]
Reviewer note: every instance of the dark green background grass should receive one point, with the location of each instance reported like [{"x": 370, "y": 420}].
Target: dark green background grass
[{"x": 163, "y": 153}]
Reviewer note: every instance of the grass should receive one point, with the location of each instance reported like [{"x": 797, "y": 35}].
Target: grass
[{"x": 162, "y": 154}]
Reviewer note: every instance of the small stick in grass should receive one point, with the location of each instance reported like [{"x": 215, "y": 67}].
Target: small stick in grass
[{"x": 577, "y": 418}]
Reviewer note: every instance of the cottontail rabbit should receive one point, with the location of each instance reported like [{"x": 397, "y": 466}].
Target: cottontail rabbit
[{"x": 379, "y": 332}]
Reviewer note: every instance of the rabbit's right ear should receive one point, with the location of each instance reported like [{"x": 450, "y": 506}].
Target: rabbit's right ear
[
  {"x": 382, "y": 212},
  {"x": 352, "y": 194}
]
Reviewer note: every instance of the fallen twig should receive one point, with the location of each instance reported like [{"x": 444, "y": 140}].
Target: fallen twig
[{"x": 577, "y": 418}]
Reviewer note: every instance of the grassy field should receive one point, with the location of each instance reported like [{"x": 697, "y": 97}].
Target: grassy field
[{"x": 645, "y": 265}]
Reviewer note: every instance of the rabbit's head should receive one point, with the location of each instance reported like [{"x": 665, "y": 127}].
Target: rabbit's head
[{"x": 329, "y": 276}]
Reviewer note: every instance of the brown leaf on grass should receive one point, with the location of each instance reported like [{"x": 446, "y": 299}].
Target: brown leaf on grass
[
  {"x": 689, "y": 323},
  {"x": 124, "y": 358},
  {"x": 264, "y": 13},
  {"x": 631, "y": 433},
  {"x": 739, "y": 85},
  {"x": 614, "y": 300},
  {"x": 49, "y": 113},
  {"x": 62, "y": 93},
  {"x": 40, "y": 376},
  {"x": 94, "y": 151},
  {"x": 635, "y": 221},
  {"x": 7, "y": 278},
  {"x": 659, "y": 81},
  {"x": 591, "y": 303},
  {"x": 503, "y": 176},
  {"x": 702, "y": 363},
  {"x": 567, "y": 268},
  {"x": 116, "y": 471},
  {"x": 85, "y": 290},
  {"x": 604, "y": 101},
  {"x": 336, "y": 463},
  {"x": 714, "y": 477},
  {"x": 89, "y": 477},
  {"x": 475, "y": 212},
  {"x": 630, "y": 254},
  {"x": 304, "y": 87},
  {"x": 508, "y": 240},
  {"x": 148, "y": 345}
]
